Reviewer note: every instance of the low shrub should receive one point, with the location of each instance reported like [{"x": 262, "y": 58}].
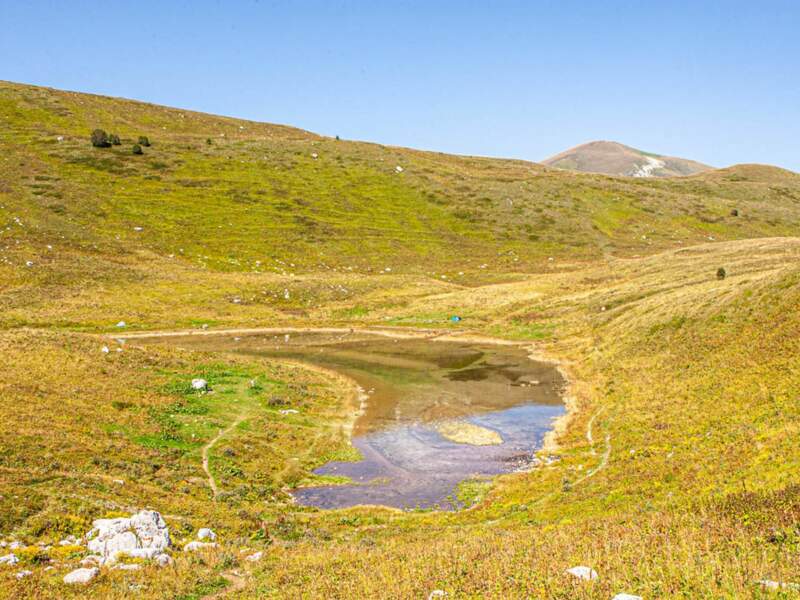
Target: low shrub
[{"x": 100, "y": 139}]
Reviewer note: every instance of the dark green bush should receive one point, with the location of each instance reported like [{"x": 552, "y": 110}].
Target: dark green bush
[
  {"x": 100, "y": 139},
  {"x": 114, "y": 139},
  {"x": 137, "y": 149},
  {"x": 144, "y": 141},
  {"x": 721, "y": 273}
]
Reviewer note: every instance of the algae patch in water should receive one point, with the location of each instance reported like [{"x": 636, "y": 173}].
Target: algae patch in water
[{"x": 462, "y": 432}]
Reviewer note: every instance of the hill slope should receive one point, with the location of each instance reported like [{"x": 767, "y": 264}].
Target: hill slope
[
  {"x": 612, "y": 158},
  {"x": 215, "y": 195}
]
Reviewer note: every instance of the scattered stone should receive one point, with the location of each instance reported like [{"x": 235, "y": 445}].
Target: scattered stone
[
  {"x": 768, "y": 584},
  {"x": 399, "y": 169},
  {"x": 437, "y": 594},
  {"x": 93, "y": 560},
  {"x": 314, "y": 155},
  {"x": 23, "y": 574},
  {"x": 255, "y": 557},
  {"x": 199, "y": 384},
  {"x": 193, "y": 546},
  {"x": 143, "y": 535},
  {"x": 204, "y": 533},
  {"x": 81, "y": 575},
  {"x": 289, "y": 411},
  {"x": 626, "y": 597},
  {"x": 163, "y": 560},
  {"x": 9, "y": 559},
  {"x": 582, "y": 573},
  {"x": 138, "y": 228},
  {"x": 128, "y": 567},
  {"x": 105, "y": 350},
  {"x": 121, "y": 324},
  {"x": 70, "y": 540}
]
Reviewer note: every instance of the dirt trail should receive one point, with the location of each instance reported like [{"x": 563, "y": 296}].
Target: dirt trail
[
  {"x": 212, "y": 483},
  {"x": 237, "y": 584}
]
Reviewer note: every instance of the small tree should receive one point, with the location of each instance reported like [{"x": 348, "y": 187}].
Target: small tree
[
  {"x": 137, "y": 149},
  {"x": 721, "y": 273},
  {"x": 143, "y": 141},
  {"x": 100, "y": 139},
  {"x": 114, "y": 139},
  {"x": 735, "y": 212},
  {"x": 208, "y": 141}
]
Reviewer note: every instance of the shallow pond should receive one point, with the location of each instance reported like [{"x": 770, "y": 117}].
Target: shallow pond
[{"x": 435, "y": 413}]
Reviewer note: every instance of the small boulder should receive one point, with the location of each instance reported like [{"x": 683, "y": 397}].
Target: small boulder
[
  {"x": 199, "y": 384},
  {"x": 437, "y": 594},
  {"x": 163, "y": 560},
  {"x": 121, "y": 324},
  {"x": 9, "y": 559},
  {"x": 93, "y": 560},
  {"x": 582, "y": 573},
  {"x": 255, "y": 557},
  {"x": 626, "y": 597},
  {"x": 194, "y": 546},
  {"x": 128, "y": 567},
  {"x": 768, "y": 584},
  {"x": 23, "y": 574},
  {"x": 81, "y": 575},
  {"x": 205, "y": 533}
]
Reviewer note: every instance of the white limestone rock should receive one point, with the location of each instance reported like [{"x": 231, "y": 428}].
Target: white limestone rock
[
  {"x": 582, "y": 573},
  {"x": 9, "y": 559},
  {"x": 194, "y": 546},
  {"x": 143, "y": 535},
  {"x": 163, "y": 560},
  {"x": 255, "y": 557},
  {"x": 81, "y": 575},
  {"x": 199, "y": 384},
  {"x": 204, "y": 533}
]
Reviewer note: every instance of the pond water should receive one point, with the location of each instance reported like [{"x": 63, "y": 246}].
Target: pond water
[{"x": 435, "y": 414}]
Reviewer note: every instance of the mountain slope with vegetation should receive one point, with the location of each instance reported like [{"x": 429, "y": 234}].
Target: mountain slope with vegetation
[{"x": 677, "y": 470}]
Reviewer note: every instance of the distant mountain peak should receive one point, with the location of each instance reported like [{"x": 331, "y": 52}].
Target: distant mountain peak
[{"x": 613, "y": 158}]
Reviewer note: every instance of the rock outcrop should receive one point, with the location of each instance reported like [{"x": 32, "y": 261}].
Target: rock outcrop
[{"x": 143, "y": 535}]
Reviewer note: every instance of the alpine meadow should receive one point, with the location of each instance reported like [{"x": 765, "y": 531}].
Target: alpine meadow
[{"x": 201, "y": 316}]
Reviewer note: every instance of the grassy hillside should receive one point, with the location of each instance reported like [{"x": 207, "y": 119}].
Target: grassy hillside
[
  {"x": 255, "y": 201},
  {"x": 678, "y": 467}
]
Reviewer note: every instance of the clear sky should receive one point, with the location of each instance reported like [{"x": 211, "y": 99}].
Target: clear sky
[{"x": 715, "y": 81}]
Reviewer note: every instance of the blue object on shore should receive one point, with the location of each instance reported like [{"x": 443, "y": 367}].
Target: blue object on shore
[{"x": 455, "y": 318}]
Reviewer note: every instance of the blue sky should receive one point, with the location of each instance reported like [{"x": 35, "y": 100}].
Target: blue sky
[{"x": 718, "y": 81}]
